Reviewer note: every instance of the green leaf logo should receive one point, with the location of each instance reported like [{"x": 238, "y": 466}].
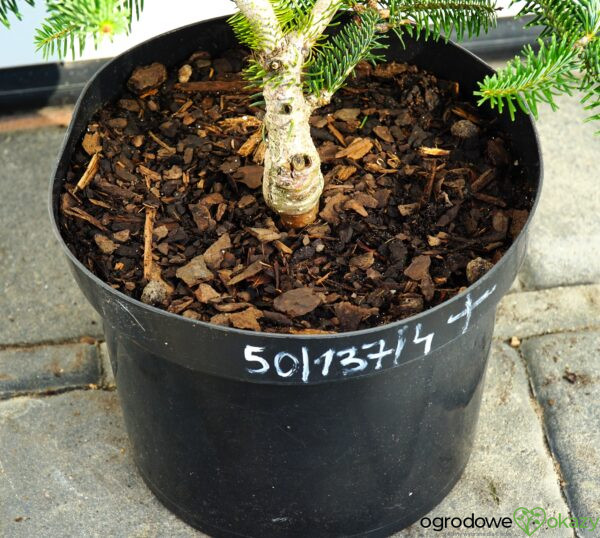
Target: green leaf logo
[{"x": 529, "y": 520}]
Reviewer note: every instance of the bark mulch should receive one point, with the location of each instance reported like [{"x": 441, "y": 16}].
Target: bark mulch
[{"x": 163, "y": 200}]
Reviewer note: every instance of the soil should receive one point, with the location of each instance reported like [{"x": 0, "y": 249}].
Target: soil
[{"x": 163, "y": 200}]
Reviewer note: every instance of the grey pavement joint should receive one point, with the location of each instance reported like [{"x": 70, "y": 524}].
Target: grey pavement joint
[
  {"x": 48, "y": 368},
  {"x": 565, "y": 369}
]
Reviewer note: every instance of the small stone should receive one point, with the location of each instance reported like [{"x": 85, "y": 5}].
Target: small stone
[
  {"x": 515, "y": 342},
  {"x": 464, "y": 129},
  {"x": 477, "y": 268},
  {"x": 154, "y": 293},
  {"x": 184, "y": 73}
]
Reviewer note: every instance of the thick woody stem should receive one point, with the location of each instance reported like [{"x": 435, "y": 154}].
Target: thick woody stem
[{"x": 292, "y": 182}]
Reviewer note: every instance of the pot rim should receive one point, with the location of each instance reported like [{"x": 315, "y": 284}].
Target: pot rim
[{"x": 482, "y": 282}]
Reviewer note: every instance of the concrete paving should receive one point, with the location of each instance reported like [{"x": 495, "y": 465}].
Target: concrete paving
[
  {"x": 565, "y": 370},
  {"x": 38, "y": 301},
  {"x": 65, "y": 461}
]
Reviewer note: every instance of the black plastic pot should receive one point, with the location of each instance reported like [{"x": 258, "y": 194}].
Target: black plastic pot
[{"x": 264, "y": 435}]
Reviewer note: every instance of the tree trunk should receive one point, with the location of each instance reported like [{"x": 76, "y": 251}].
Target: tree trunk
[{"x": 292, "y": 182}]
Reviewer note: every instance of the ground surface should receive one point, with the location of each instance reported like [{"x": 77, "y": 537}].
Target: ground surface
[{"x": 65, "y": 462}]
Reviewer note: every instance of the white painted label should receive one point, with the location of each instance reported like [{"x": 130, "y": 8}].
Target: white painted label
[{"x": 370, "y": 356}]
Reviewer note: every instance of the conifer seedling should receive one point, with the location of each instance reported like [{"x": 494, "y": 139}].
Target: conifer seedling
[{"x": 297, "y": 64}]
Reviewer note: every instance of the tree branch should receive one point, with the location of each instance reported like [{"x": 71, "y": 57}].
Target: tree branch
[
  {"x": 262, "y": 17},
  {"x": 322, "y": 13}
]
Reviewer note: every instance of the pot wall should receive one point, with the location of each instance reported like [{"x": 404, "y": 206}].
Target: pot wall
[{"x": 250, "y": 434}]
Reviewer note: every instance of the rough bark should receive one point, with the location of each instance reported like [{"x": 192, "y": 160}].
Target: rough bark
[{"x": 292, "y": 181}]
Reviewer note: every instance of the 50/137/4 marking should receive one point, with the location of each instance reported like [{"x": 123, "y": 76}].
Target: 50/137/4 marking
[{"x": 349, "y": 361}]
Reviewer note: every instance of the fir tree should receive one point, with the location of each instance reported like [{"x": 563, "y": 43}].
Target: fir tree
[{"x": 298, "y": 68}]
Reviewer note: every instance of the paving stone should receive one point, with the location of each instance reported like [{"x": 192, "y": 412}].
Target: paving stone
[
  {"x": 48, "y": 368},
  {"x": 565, "y": 369},
  {"x": 565, "y": 234},
  {"x": 39, "y": 299},
  {"x": 535, "y": 313},
  {"x": 66, "y": 470},
  {"x": 510, "y": 466}
]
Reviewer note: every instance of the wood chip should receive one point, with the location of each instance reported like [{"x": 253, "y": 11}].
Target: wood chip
[
  {"x": 147, "y": 172},
  {"x": 240, "y": 124},
  {"x": 250, "y": 175},
  {"x": 484, "y": 180},
  {"x": 250, "y": 271},
  {"x": 342, "y": 172},
  {"x": 122, "y": 236},
  {"x": 297, "y": 302},
  {"x": 206, "y": 293},
  {"x": 354, "y": 205},
  {"x": 147, "y": 77},
  {"x": 211, "y": 86},
  {"x": 330, "y": 212},
  {"x": 148, "y": 229},
  {"x": 347, "y": 114},
  {"x": 164, "y": 145},
  {"x": 383, "y": 132},
  {"x": 106, "y": 245},
  {"x": 464, "y": 114},
  {"x": 195, "y": 272},
  {"x": 362, "y": 261},
  {"x": 408, "y": 209},
  {"x": 339, "y": 136},
  {"x": 433, "y": 152},
  {"x": 350, "y": 315},
  {"x": 213, "y": 256},
  {"x": 283, "y": 247},
  {"x": 489, "y": 199},
  {"x": 246, "y": 319},
  {"x": 89, "y": 173},
  {"x": 246, "y": 200},
  {"x": 81, "y": 214},
  {"x": 357, "y": 149},
  {"x": 518, "y": 219},
  {"x": 250, "y": 144},
  {"x": 264, "y": 235},
  {"x": 418, "y": 268}
]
